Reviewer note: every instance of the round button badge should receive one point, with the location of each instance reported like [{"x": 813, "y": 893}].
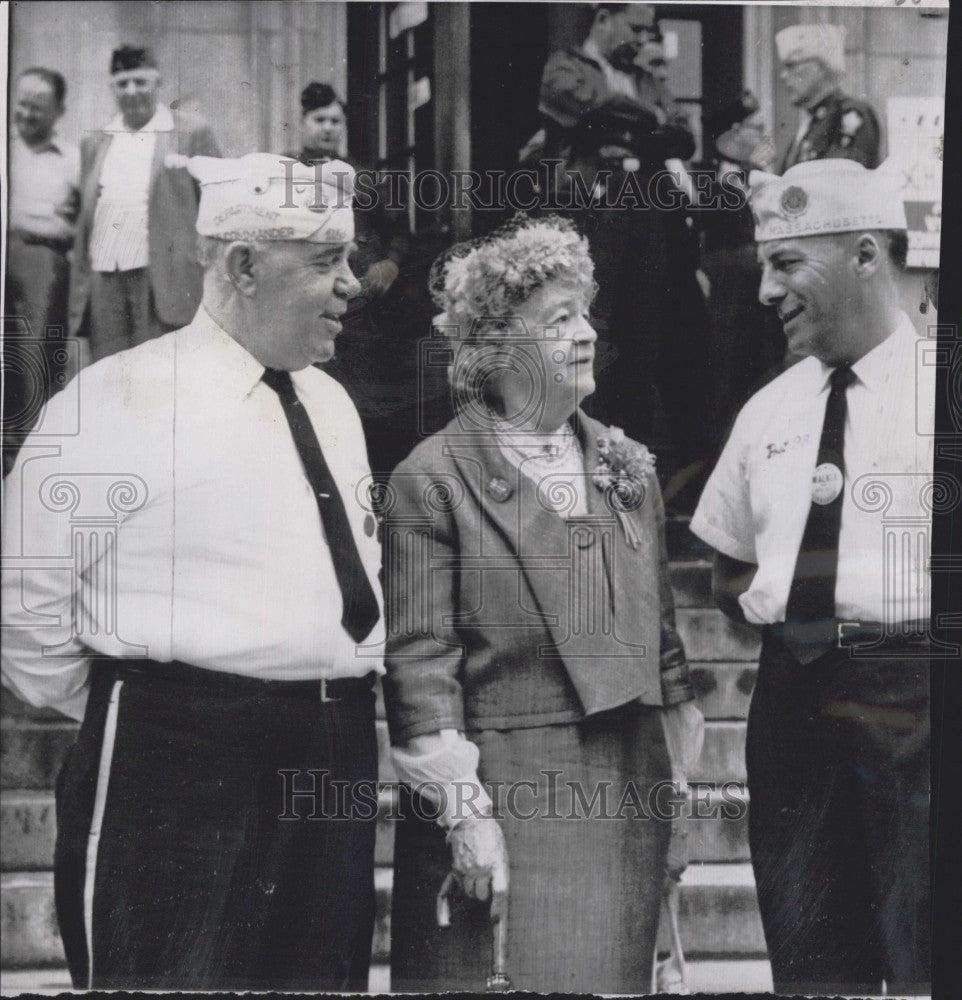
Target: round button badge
[{"x": 826, "y": 483}]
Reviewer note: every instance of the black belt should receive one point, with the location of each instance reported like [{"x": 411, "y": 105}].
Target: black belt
[
  {"x": 843, "y": 633},
  {"x": 59, "y": 244},
  {"x": 175, "y": 672}
]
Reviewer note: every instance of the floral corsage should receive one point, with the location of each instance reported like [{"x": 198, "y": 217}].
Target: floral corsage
[{"x": 622, "y": 472}]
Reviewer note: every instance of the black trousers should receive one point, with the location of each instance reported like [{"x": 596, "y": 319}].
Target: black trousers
[
  {"x": 838, "y": 775},
  {"x": 183, "y": 861}
]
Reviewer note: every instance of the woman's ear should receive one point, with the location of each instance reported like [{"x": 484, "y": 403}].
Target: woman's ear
[{"x": 239, "y": 264}]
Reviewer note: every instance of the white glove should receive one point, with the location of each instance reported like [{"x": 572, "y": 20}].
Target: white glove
[
  {"x": 684, "y": 727},
  {"x": 480, "y": 861}
]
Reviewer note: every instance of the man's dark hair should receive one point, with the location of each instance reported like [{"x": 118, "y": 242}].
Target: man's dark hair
[
  {"x": 52, "y": 78},
  {"x": 898, "y": 247},
  {"x": 319, "y": 95}
]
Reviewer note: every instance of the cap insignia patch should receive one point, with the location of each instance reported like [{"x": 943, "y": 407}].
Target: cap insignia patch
[{"x": 794, "y": 201}]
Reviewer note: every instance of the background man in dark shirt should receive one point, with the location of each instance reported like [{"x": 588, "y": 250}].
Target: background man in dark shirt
[
  {"x": 832, "y": 124},
  {"x": 366, "y": 361}
]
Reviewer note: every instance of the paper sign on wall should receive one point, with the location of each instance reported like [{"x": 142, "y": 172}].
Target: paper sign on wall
[{"x": 915, "y": 135}]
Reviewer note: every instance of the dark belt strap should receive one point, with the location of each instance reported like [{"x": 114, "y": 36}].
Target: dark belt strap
[
  {"x": 59, "y": 244},
  {"x": 176, "y": 672},
  {"x": 841, "y": 633}
]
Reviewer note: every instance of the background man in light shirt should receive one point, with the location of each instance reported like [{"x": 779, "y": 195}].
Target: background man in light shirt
[
  {"x": 216, "y": 631},
  {"x": 819, "y": 513},
  {"x": 135, "y": 272},
  {"x": 43, "y": 205}
]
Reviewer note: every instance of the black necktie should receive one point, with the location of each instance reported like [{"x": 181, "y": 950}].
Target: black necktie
[
  {"x": 811, "y": 599},
  {"x": 360, "y": 605}
]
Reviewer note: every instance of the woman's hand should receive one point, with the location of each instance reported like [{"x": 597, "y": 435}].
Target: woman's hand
[{"x": 480, "y": 861}]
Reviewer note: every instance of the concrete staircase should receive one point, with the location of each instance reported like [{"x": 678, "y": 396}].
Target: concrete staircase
[{"x": 721, "y": 929}]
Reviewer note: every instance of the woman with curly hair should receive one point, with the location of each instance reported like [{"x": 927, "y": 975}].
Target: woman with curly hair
[{"x": 537, "y": 691}]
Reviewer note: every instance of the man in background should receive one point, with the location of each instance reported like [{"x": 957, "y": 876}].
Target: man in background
[
  {"x": 44, "y": 202},
  {"x": 602, "y": 136},
  {"x": 681, "y": 372},
  {"x": 135, "y": 273},
  {"x": 369, "y": 359},
  {"x": 831, "y": 124}
]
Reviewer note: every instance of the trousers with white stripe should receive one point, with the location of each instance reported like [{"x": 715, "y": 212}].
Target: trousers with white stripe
[{"x": 173, "y": 868}]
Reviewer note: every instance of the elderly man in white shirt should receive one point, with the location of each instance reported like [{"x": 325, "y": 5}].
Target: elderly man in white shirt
[
  {"x": 819, "y": 511},
  {"x": 135, "y": 267},
  {"x": 191, "y": 570}
]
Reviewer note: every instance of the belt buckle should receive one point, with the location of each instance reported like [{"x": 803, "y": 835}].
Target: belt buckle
[
  {"x": 845, "y": 642},
  {"x": 324, "y": 695},
  {"x": 840, "y": 632}
]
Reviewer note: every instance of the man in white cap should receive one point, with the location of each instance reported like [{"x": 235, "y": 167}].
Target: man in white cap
[
  {"x": 819, "y": 511},
  {"x": 198, "y": 583},
  {"x": 831, "y": 124}
]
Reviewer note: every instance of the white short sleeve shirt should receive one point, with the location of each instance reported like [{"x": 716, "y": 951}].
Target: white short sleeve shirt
[{"x": 756, "y": 502}]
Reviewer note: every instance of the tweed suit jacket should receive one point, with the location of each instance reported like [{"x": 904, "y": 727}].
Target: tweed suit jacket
[
  {"x": 501, "y": 613},
  {"x": 176, "y": 278}
]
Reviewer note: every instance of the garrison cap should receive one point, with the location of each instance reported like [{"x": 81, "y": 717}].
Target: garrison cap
[
  {"x": 822, "y": 197},
  {"x": 813, "y": 41},
  {"x": 264, "y": 196}
]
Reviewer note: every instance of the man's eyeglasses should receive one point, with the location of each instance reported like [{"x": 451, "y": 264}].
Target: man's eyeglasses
[{"x": 789, "y": 66}]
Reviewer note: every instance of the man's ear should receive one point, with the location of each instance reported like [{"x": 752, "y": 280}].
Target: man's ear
[
  {"x": 869, "y": 254},
  {"x": 240, "y": 265}
]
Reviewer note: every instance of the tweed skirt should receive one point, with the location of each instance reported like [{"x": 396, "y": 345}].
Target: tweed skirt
[{"x": 579, "y": 805}]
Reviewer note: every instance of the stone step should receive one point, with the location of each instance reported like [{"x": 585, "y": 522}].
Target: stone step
[
  {"x": 724, "y": 690},
  {"x": 723, "y": 755},
  {"x": 717, "y": 825},
  {"x": 747, "y": 975},
  {"x": 691, "y": 583},
  {"x": 709, "y": 636},
  {"x": 36, "y": 982},
  {"x": 682, "y": 544},
  {"x": 718, "y": 911},
  {"x": 28, "y": 925},
  {"x": 719, "y": 975},
  {"x": 28, "y": 828},
  {"x": 31, "y": 751}
]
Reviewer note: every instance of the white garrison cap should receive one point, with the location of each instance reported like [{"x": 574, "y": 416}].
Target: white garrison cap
[
  {"x": 263, "y": 196},
  {"x": 822, "y": 197},
  {"x": 813, "y": 41}
]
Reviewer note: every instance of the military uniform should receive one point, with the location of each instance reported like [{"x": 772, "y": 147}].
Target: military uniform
[
  {"x": 630, "y": 243},
  {"x": 839, "y": 127}
]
